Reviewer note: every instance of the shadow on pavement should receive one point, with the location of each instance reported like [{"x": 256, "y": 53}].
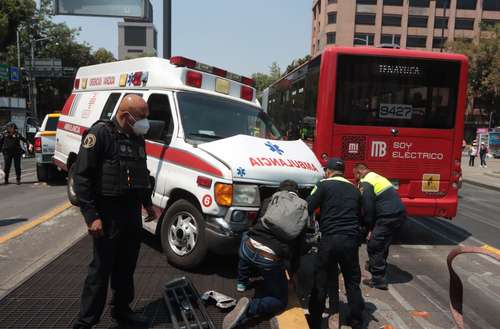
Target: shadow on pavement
[
  {"x": 430, "y": 231},
  {"x": 397, "y": 275},
  {"x": 11, "y": 221}
]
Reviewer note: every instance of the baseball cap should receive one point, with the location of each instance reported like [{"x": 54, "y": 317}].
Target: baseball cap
[{"x": 335, "y": 164}]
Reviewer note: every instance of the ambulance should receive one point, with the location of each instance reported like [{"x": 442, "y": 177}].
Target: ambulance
[{"x": 213, "y": 153}]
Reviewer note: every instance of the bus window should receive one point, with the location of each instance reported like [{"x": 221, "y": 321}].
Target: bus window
[
  {"x": 396, "y": 92},
  {"x": 292, "y": 102}
]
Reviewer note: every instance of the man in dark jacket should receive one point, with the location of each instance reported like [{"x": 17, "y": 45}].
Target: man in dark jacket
[
  {"x": 384, "y": 212},
  {"x": 339, "y": 202},
  {"x": 112, "y": 184},
  {"x": 263, "y": 250},
  {"x": 10, "y": 144}
]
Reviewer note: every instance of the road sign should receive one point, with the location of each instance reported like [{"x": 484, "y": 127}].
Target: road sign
[
  {"x": 4, "y": 72},
  {"x": 109, "y": 8},
  {"x": 14, "y": 74},
  {"x": 50, "y": 62}
]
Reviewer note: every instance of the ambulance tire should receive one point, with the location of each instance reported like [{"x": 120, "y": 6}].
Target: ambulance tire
[
  {"x": 42, "y": 172},
  {"x": 194, "y": 258},
  {"x": 70, "y": 187}
]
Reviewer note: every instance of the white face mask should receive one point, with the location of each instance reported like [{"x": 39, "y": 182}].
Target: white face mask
[{"x": 140, "y": 127}]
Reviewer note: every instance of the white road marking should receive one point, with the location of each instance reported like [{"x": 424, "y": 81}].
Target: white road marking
[
  {"x": 408, "y": 307},
  {"x": 468, "y": 312}
]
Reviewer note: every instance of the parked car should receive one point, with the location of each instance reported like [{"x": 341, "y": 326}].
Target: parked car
[{"x": 44, "y": 143}]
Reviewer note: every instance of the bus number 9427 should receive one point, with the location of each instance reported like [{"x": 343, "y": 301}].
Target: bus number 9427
[{"x": 395, "y": 111}]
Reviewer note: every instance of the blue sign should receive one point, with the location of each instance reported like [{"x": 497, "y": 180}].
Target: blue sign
[
  {"x": 14, "y": 74},
  {"x": 494, "y": 138},
  {"x": 274, "y": 148}
]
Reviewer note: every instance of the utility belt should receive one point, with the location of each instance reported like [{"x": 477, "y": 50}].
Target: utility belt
[{"x": 261, "y": 253}]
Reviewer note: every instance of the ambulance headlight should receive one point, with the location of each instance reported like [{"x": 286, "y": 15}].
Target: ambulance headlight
[{"x": 246, "y": 195}]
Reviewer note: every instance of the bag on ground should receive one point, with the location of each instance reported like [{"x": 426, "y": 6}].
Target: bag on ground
[{"x": 286, "y": 215}]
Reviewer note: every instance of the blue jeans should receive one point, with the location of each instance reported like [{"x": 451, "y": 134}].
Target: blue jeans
[{"x": 274, "y": 296}]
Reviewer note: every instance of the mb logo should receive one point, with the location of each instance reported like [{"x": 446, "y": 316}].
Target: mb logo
[{"x": 379, "y": 149}]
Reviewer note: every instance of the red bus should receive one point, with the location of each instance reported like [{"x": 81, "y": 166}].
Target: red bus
[{"x": 399, "y": 111}]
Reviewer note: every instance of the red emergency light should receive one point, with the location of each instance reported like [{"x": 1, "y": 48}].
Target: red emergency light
[
  {"x": 192, "y": 64},
  {"x": 77, "y": 84}
]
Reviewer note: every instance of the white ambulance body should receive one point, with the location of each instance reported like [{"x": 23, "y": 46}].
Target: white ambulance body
[{"x": 213, "y": 152}]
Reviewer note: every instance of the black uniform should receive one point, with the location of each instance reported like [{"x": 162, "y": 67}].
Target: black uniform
[
  {"x": 10, "y": 144},
  {"x": 112, "y": 183},
  {"x": 339, "y": 225},
  {"x": 384, "y": 213}
]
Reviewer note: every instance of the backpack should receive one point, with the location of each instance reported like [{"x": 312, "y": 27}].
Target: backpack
[{"x": 286, "y": 215}]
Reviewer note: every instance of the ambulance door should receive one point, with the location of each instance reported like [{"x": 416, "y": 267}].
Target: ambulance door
[{"x": 158, "y": 141}]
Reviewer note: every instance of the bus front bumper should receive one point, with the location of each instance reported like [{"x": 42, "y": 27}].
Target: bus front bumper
[{"x": 421, "y": 207}]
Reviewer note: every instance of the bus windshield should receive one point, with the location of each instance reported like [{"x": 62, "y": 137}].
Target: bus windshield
[
  {"x": 396, "y": 92},
  {"x": 208, "y": 118}
]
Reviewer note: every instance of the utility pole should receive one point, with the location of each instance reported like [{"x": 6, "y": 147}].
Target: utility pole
[
  {"x": 32, "y": 79},
  {"x": 167, "y": 28},
  {"x": 19, "y": 61}
]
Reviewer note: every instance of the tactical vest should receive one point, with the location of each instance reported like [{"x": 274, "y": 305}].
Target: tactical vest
[
  {"x": 125, "y": 169},
  {"x": 379, "y": 183}
]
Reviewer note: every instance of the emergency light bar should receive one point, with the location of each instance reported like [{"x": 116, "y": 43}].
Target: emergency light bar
[{"x": 189, "y": 63}]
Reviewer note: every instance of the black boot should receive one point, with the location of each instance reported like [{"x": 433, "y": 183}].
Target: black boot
[{"x": 128, "y": 317}]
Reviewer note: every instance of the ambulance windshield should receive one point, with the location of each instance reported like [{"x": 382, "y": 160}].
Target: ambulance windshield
[{"x": 208, "y": 118}]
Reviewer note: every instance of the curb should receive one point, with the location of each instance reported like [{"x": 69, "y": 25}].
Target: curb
[{"x": 483, "y": 185}]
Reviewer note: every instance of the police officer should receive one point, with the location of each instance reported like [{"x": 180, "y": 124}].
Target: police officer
[
  {"x": 339, "y": 201},
  {"x": 10, "y": 144},
  {"x": 112, "y": 183},
  {"x": 384, "y": 213}
]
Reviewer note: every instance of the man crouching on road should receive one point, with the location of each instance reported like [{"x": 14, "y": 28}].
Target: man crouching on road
[
  {"x": 112, "y": 183},
  {"x": 384, "y": 212},
  {"x": 266, "y": 247}
]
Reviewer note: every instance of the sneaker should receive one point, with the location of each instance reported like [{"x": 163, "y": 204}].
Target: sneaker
[
  {"x": 241, "y": 287},
  {"x": 232, "y": 319},
  {"x": 373, "y": 284}
]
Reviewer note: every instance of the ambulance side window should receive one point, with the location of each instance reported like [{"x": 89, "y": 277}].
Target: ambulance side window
[
  {"x": 107, "y": 111},
  {"x": 160, "y": 119}
]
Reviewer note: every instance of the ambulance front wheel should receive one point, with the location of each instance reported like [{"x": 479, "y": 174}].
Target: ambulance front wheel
[
  {"x": 183, "y": 235},
  {"x": 71, "y": 187}
]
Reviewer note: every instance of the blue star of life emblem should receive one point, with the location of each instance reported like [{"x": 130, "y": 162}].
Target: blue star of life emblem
[
  {"x": 274, "y": 148},
  {"x": 240, "y": 172}
]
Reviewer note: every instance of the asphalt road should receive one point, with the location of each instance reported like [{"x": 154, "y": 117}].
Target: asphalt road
[
  {"x": 417, "y": 272},
  {"x": 19, "y": 204}
]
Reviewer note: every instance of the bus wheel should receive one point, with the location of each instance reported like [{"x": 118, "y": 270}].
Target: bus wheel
[
  {"x": 71, "y": 187},
  {"x": 183, "y": 235}
]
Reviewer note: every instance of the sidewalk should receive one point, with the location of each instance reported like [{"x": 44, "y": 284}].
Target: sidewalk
[{"x": 484, "y": 177}]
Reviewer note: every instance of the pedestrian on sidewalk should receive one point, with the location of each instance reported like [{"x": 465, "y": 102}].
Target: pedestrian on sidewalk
[
  {"x": 339, "y": 202},
  {"x": 266, "y": 248},
  {"x": 384, "y": 213},
  {"x": 472, "y": 154},
  {"x": 10, "y": 144},
  {"x": 483, "y": 151},
  {"x": 112, "y": 184}
]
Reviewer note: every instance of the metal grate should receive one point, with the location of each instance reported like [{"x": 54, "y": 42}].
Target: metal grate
[{"x": 50, "y": 299}]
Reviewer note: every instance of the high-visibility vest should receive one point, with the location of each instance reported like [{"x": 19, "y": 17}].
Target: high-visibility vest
[{"x": 379, "y": 183}]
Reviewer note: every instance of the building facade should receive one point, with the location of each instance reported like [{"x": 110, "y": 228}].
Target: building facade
[{"x": 413, "y": 24}]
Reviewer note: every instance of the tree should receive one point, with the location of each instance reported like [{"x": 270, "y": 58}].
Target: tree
[
  {"x": 484, "y": 68},
  {"x": 102, "y": 55},
  {"x": 264, "y": 80},
  {"x": 296, "y": 63},
  {"x": 60, "y": 43}
]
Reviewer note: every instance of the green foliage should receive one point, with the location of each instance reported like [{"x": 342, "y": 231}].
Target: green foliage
[
  {"x": 296, "y": 63},
  {"x": 484, "y": 67},
  {"x": 264, "y": 80},
  {"x": 60, "y": 43}
]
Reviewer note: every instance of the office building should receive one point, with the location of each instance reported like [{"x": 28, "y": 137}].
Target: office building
[{"x": 413, "y": 24}]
